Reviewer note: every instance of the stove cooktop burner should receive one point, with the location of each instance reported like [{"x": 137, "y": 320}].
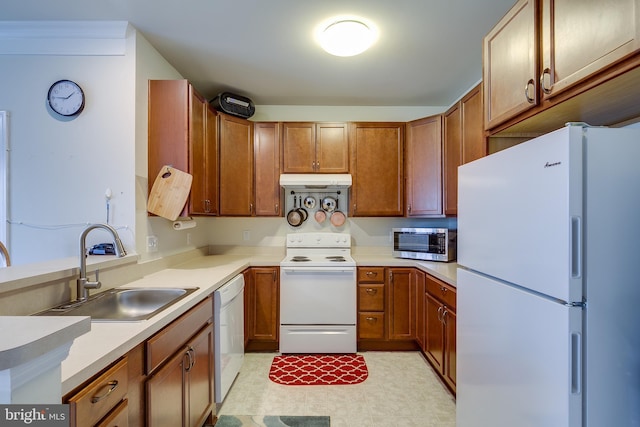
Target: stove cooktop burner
[
  {"x": 337, "y": 258},
  {"x": 300, "y": 259}
]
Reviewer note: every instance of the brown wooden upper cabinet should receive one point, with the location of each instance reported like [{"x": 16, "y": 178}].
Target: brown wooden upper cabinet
[
  {"x": 582, "y": 37},
  {"x": 315, "y": 147},
  {"x": 463, "y": 142},
  {"x": 236, "y": 166},
  {"x": 183, "y": 133},
  {"x": 376, "y": 157},
  {"x": 510, "y": 64},
  {"x": 540, "y": 49},
  {"x": 266, "y": 143},
  {"x": 423, "y": 161}
]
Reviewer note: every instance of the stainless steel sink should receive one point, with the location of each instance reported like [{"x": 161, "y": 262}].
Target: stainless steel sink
[{"x": 122, "y": 304}]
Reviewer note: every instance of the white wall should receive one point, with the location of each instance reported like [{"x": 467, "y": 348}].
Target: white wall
[
  {"x": 59, "y": 170},
  {"x": 271, "y": 232}
]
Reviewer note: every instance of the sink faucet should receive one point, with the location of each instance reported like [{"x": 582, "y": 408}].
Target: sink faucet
[{"x": 83, "y": 284}]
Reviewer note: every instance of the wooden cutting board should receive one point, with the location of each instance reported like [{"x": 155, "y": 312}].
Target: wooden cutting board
[{"x": 169, "y": 193}]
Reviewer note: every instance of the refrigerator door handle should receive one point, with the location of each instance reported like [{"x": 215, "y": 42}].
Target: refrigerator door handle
[
  {"x": 576, "y": 247},
  {"x": 576, "y": 363}
]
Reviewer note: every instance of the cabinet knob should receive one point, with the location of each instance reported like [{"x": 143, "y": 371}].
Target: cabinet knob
[
  {"x": 371, "y": 319},
  {"x": 372, "y": 273},
  {"x": 371, "y": 291}
]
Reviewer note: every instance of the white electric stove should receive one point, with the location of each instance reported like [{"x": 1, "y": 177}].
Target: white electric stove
[{"x": 318, "y": 293}]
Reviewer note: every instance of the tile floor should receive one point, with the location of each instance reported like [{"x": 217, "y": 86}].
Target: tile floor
[{"x": 401, "y": 391}]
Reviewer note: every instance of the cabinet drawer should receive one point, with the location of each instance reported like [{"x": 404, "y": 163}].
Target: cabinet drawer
[
  {"x": 444, "y": 293},
  {"x": 371, "y": 297},
  {"x": 166, "y": 342},
  {"x": 371, "y": 275},
  {"x": 119, "y": 417},
  {"x": 370, "y": 325},
  {"x": 98, "y": 398}
]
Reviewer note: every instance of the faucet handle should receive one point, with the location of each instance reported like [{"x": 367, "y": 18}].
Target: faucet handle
[{"x": 95, "y": 284}]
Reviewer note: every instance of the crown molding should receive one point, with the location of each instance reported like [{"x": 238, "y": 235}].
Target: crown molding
[{"x": 90, "y": 38}]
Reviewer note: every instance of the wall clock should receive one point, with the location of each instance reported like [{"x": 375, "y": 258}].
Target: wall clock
[{"x": 66, "y": 98}]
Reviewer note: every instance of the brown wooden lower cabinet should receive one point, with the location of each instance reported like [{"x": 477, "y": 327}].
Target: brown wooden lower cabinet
[
  {"x": 440, "y": 322},
  {"x": 179, "y": 389},
  {"x": 181, "y": 392},
  {"x": 262, "y": 308},
  {"x": 101, "y": 397},
  {"x": 407, "y": 309}
]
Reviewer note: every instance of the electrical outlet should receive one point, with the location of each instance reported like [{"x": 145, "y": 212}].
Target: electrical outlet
[
  {"x": 152, "y": 244},
  {"x": 246, "y": 235}
]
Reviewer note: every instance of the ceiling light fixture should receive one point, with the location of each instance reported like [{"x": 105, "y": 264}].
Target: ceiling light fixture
[{"x": 346, "y": 36}]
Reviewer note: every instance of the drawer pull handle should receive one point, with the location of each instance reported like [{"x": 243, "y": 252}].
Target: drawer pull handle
[
  {"x": 372, "y": 273},
  {"x": 371, "y": 291},
  {"x": 545, "y": 89},
  {"x": 372, "y": 319},
  {"x": 112, "y": 386},
  {"x": 530, "y": 99}
]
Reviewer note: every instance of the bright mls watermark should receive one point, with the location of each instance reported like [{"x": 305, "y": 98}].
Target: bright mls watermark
[{"x": 34, "y": 415}]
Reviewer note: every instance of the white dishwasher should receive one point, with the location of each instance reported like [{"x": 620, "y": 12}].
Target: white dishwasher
[{"x": 228, "y": 324}]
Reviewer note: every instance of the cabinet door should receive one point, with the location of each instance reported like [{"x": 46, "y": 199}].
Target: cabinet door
[
  {"x": 265, "y": 295},
  {"x": 200, "y": 377},
  {"x": 203, "y": 199},
  {"x": 401, "y": 304},
  {"x": 298, "y": 147},
  {"x": 376, "y": 156},
  {"x": 452, "y": 157},
  {"x": 473, "y": 141},
  {"x": 168, "y": 139},
  {"x": 165, "y": 394},
  {"x": 463, "y": 142},
  {"x": 267, "y": 166},
  {"x": 510, "y": 64},
  {"x": 332, "y": 148},
  {"x": 236, "y": 166},
  {"x": 450, "y": 347},
  {"x": 424, "y": 164},
  {"x": 581, "y": 37},
  {"x": 434, "y": 341}
]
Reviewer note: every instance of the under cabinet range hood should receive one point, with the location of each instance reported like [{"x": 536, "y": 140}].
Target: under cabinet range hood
[{"x": 317, "y": 181}]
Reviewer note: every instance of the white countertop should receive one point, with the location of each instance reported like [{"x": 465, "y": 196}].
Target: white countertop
[
  {"x": 108, "y": 341},
  {"x": 28, "y": 337}
]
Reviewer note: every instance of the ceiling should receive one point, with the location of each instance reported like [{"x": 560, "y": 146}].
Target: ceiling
[{"x": 429, "y": 52}]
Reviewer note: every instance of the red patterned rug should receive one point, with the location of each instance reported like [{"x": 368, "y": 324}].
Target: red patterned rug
[{"x": 318, "y": 369}]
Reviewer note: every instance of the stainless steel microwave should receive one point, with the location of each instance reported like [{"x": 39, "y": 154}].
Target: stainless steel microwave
[{"x": 430, "y": 244}]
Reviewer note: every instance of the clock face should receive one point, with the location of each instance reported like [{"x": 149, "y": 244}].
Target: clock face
[{"x": 66, "y": 98}]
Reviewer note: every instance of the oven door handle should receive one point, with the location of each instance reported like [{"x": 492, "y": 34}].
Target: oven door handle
[{"x": 317, "y": 270}]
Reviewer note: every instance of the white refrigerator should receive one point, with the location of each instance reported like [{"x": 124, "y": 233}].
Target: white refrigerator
[{"x": 548, "y": 310}]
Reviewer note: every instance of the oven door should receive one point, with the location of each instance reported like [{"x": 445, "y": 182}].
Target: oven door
[
  {"x": 318, "y": 296},
  {"x": 318, "y": 310}
]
